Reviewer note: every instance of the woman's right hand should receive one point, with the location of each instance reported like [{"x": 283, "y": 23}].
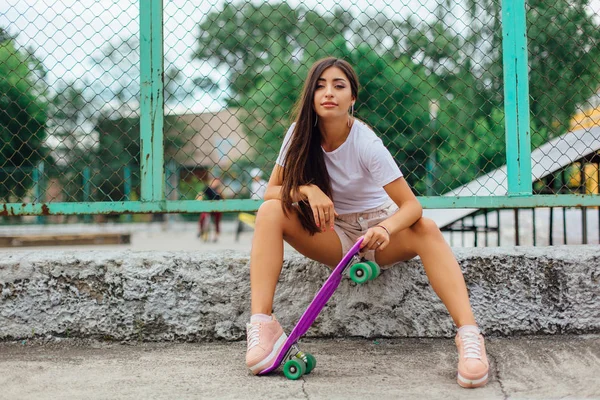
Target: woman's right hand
[{"x": 321, "y": 206}]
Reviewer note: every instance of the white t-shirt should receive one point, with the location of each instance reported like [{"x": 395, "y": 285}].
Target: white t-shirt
[{"x": 358, "y": 169}]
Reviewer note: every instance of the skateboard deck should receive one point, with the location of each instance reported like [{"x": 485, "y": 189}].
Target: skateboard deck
[{"x": 313, "y": 310}]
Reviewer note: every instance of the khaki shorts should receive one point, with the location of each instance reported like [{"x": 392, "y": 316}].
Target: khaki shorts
[{"x": 350, "y": 227}]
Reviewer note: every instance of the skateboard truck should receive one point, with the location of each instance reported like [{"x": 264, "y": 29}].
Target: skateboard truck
[{"x": 297, "y": 363}]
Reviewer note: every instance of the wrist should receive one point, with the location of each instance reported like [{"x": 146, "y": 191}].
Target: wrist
[
  {"x": 385, "y": 229},
  {"x": 304, "y": 189}
]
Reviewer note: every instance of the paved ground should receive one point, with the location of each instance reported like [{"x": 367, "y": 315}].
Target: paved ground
[{"x": 555, "y": 367}]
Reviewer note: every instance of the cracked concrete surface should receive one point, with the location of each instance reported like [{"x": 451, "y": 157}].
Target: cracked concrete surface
[
  {"x": 536, "y": 367},
  {"x": 495, "y": 371}
]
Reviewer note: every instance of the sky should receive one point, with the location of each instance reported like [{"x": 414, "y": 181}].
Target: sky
[{"x": 67, "y": 34}]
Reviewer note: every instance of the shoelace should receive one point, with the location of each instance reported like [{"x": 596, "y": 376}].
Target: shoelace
[
  {"x": 471, "y": 346},
  {"x": 252, "y": 330}
]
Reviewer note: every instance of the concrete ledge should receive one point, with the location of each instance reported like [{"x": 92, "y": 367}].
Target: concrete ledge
[
  {"x": 162, "y": 296},
  {"x": 72, "y": 239}
]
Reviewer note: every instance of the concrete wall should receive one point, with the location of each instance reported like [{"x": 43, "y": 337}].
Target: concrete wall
[{"x": 122, "y": 295}]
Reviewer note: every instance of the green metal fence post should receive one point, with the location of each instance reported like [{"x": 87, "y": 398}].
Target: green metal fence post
[
  {"x": 151, "y": 101},
  {"x": 516, "y": 98}
]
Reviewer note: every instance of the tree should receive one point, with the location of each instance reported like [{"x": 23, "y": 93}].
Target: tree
[
  {"x": 118, "y": 148},
  {"x": 564, "y": 57},
  {"x": 248, "y": 39},
  {"x": 23, "y": 114},
  {"x": 564, "y": 60},
  {"x": 71, "y": 138},
  {"x": 394, "y": 101}
]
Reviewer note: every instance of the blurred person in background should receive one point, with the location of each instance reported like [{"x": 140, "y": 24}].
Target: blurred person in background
[
  {"x": 212, "y": 191},
  {"x": 258, "y": 185}
]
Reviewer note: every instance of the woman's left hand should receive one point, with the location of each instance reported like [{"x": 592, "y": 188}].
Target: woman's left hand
[{"x": 376, "y": 238}]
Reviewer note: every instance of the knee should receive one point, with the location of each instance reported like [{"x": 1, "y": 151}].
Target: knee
[
  {"x": 425, "y": 227},
  {"x": 270, "y": 210}
]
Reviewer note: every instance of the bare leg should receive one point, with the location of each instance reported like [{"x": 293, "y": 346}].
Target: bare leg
[
  {"x": 266, "y": 257},
  {"x": 425, "y": 240}
]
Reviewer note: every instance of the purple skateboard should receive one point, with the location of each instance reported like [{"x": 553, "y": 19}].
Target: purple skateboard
[{"x": 289, "y": 352}]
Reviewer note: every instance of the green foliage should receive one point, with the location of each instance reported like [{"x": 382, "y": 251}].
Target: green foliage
[
  {"x": 472, "y": 146},
  {"x": 564, "y": 60},
  {"x": 563, "y": 40},
  {"x": 392, "y": 101},
  {"x": 249, "y": 39},
  {"x": 69, "y": 112},
  {"x": 23, "y": 114},
  {"x": 119, "y": 146}
]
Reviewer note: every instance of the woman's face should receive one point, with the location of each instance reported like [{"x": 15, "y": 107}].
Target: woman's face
[{"x": 333, "y": 94}]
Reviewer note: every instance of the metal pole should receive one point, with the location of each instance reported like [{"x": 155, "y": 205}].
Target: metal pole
[
  {"x": 564, "y": 210},
  {"x": 582, "y": 190},
  {"x": 517, "y": 240},
  {"x": 584, "y": 238},
  {"x": 534, "y": 231},
  {"x": 498, "y": 215},
  {"x": 550, "y": 236},
  {"x": 487, "y": 227},
  {"x": 474, "y": 229},
  {"x": 564, "y": 214},
  {"x": 516, "y": 98},
  {"x": 151, "y": 101}
]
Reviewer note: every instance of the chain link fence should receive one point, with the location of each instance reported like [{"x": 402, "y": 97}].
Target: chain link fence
[{"x": 432, "y": 82}]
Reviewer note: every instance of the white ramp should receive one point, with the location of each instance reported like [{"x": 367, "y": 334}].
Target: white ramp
[{"x": 545, "y": 160}]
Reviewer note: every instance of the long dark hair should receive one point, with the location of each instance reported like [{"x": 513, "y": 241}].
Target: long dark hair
[{"x": 304, "y": 161}]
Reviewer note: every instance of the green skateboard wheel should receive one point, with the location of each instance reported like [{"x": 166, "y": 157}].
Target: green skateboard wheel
[
  {"x": 375, "y": 269},
  {"x": 361, "y": 272},
  {"x": 294, "y": 368},
  {"x": 311, "y": 363}
]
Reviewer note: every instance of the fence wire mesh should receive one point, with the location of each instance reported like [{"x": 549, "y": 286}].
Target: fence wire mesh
[{"x": 431, "y": 78}]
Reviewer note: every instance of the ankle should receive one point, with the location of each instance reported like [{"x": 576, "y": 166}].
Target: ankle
[
  {"x": 260, "y": 318},
  {"x": 468, "y": 321},
  {"x": 468, "y": 328}
]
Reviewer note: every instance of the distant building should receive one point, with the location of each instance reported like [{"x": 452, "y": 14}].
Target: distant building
[
  {"x": 211, "y": 139},
  {"x": 209, "y": 143}
]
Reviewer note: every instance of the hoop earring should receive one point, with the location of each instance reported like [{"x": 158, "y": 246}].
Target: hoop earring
[
  {"x": 316, "y": 119},
  {"x": 351, "y": 116}
]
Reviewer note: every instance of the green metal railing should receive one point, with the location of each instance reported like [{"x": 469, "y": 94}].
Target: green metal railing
[{"x": 154, "y": 198}]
